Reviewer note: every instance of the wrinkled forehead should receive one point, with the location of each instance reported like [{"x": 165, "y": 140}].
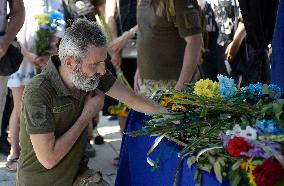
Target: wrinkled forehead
[{"x": 95, "y": 54}]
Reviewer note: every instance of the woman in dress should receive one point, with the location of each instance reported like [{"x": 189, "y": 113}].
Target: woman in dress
[{"x": 19, "y": 79}]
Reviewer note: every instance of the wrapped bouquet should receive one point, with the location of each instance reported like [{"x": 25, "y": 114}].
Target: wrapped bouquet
[{"x": 48, "y": 23}]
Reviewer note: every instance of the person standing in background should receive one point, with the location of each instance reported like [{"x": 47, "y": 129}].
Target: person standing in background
[
  {"x": 169, "y": 43},
  {"x": 8, "y": 31},
  {"x": 121, "y": 19},
  {"x": 221, "y": 39},
  {"x": 259, "y": 21},
  {"x": 26, "y": 72},
  {"x": 278, "y": 48}
]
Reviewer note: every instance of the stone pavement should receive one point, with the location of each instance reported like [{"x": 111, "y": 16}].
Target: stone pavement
[{"x": 102, "y": 161}]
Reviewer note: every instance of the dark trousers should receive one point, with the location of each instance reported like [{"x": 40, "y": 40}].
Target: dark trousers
[{"x": 4, "y": 144}]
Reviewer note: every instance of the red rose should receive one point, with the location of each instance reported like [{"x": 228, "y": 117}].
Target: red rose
[
  {"x": 268, "y": 173},
  {"x": 236, "y": 145}
]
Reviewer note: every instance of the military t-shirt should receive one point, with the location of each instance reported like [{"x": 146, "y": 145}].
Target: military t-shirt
[
  {"x": 48, "y": 106},
  {"x": 161, "y": 41}
]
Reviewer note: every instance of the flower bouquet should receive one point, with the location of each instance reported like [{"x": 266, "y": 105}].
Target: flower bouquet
[
  {"x": 237, "y": 134},
  {"x": 48, "y": 23}
]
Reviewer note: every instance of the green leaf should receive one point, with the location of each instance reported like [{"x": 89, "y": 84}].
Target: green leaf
[
  {"x": 206, "y": 167},
  {"x": 190, "y": 161},
  {"x": 196, "y": 173},
  {"x": 280, "y": 118},
  {"x": 234, "y": 178},
  {"x": 204, "y": 111},
  {"x": 218, "y": 171},
  {"x": 236, "y": 165},
  {"x": 266, "y": 89},
  {"x": 197, "y": 178},
  {"x": 221, "y": 160},
  {"x": 212, "y": 160}
]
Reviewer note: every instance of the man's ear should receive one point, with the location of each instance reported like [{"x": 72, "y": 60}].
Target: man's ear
[{"x": 69, "y": 62}]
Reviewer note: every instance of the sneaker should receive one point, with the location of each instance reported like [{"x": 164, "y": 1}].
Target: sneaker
[
  {"x": 99, "y": 140},
  {"x": 112, "y": 118},
  {"x": 11, "y": 164}
]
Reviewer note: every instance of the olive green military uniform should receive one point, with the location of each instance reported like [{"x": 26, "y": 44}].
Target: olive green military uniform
[
  {"x": 161, "y": 41},
  {"x": 48, "y": 106}
]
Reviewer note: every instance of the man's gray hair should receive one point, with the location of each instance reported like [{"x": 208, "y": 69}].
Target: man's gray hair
[{"x": 77, "y": 38}]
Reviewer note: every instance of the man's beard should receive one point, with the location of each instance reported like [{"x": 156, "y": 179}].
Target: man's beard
[{"x": 82, "y": 81}]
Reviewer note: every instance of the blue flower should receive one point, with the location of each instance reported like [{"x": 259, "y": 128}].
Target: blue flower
[
  {"x": 227, "y": 86},
  {"x": 255, "y": 89},
  {"x": 268, "y": 127},
  {"x": 276, "y": 89},
  {"x": 55, "y": 15}
]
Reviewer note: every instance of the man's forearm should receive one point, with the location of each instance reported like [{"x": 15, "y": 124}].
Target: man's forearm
[
  {"x": 50, "y": 151},
  {"x": 136, "y": 102},
  {"x": 142, "y": 104},
  {"x": 16, "y": 22},
  {"x": 191, "y": 58}
]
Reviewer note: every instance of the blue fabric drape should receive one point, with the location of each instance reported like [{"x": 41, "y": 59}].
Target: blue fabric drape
[
  {"x": 135, "y": 171},
  {"x": 278, "y": 48}
]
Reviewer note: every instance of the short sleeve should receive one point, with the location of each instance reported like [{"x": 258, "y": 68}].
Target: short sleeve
[
  {"x": 106, "y": 81},
  {"x": 188, "y": 20},
  {"x": 36, "y": 112}
]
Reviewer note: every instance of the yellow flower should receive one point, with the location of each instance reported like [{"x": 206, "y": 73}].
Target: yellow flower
[
  {"x": 249, "y": 167},
  {"x": 206, "y": 88},
  {"x": 178, "y": 95},
  {"x": 165, "y": 101},
  {"x": 250, "y": 175},
  {"x": 243, "y": 165},
  {"x": 178, "y": 107},
  {"x": 42, "y": 19}
]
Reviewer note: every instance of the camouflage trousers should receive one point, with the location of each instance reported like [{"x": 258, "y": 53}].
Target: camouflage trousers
[
  {"x": 149, "y": 87},
  {"x": 90, "y": 178}
]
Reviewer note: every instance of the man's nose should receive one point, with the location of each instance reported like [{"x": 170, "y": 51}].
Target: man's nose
[{"x": 101, "y": 70}]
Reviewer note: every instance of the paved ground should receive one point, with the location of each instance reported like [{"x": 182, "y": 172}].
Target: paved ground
[{"x": 104, "y": 154}]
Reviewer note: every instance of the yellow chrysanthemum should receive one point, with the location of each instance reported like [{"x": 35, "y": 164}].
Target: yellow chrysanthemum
[
  {"x": 165, "y": 101},
  {"x": 250, "y": 175},
  {"x": 243, "y": 165},
  {"x": 178, "y": 107},
  {"x": 42, "y": 19},
  {"x": 249, "y": 167},
  {"x": 206, "y": 88},
  {"x": 178, "y": 95}
]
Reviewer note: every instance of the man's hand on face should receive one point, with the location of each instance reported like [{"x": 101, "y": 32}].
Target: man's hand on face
[{"x": 93, "y": 104}]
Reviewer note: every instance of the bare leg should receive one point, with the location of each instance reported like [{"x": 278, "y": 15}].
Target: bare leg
[{"x": 14, "y": 123}]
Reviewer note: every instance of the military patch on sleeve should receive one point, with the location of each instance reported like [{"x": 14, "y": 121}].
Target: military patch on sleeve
[
  {"x": 63, "y": 108},
  {"x": 37, "y": 115}
]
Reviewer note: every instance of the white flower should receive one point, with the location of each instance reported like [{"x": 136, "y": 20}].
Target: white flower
[
  {"x": 235, "y": 132},
  {"x": 249, "y": 133}
]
